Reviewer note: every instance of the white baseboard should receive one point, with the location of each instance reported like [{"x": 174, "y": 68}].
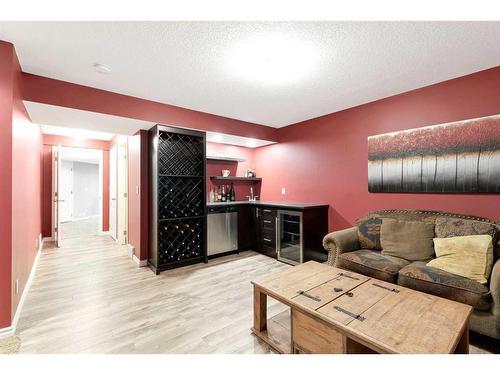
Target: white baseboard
[
  {"x": 140, "y": 263},
  {"x": 104, "y": 232},
  {"x": 130, "y": 250},
  {"x": 7, "y": 331},
  {"x": 47, "y": 239},
  {"x": 11, "y": 330}
]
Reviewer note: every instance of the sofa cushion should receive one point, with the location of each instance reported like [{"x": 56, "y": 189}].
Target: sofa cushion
[
  {"x": 369, "y": 233},
  {"x": 452, "y": 227},
  {"x": 372, "y": 263},
  {"x": 467, "y": 256},
  {"x": 410, "y": 240},
  {"x": 432, "y": 280}
]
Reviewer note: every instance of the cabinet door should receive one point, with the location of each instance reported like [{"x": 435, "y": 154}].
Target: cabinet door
[
  {"x": 246, "y": 229},
  {"x": 257, "y": 224}
]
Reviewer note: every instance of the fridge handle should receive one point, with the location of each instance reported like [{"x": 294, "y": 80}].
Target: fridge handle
[{"x": 277, "y": 244}]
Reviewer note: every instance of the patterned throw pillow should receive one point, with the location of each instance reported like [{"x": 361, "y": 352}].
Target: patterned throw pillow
[{"x": 369, "y": 233}]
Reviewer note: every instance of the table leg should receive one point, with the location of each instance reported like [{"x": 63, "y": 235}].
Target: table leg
[
  {"x": 259, "y": 310},
  {"x": 463, "y": 344}
]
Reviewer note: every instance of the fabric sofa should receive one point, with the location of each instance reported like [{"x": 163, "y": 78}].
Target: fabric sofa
[{"x": 345, "y": 250}]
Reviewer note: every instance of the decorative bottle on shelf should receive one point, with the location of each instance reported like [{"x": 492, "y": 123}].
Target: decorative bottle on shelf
[
  {"x": 232, "y": 193},
  {"x": 223, "y": 193},
  {"x": 211, "y": 195},
  {"x": 219, "y": 195}
]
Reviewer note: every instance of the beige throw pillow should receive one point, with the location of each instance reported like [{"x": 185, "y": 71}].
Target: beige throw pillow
[
  {"x": 410, "y": 240},
  {"x": 467, "y": 256}
]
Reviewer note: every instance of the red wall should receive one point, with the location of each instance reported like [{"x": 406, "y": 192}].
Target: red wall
[
  {"x": 53, "y": 140},
  {"x": 26, "y": 193},
  {"x": 214, "y": 168},
  {"x": 20, "y": 197},
  {"x": 325, "y": 159},
  {"x": 6, "y": 110}
]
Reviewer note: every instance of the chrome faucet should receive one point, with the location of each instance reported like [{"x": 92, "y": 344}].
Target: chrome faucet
[{"x": 251, "y": 197}]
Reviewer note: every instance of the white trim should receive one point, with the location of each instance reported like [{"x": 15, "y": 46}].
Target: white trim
[
  {"x": 140, "y": 263},
  {"x": 47, "y": 239},
  {"x": 130, "y": 250},
  {"x": 11, "y": 330},
  {"x": 101, "y": 189},
  {"x": 104, "y": 233},
  {"x": 7, "y": 331}
]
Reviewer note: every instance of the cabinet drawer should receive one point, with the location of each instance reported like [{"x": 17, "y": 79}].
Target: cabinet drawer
[
  {"x": 268, "y": 238},
  {"x": 269, "y": 214},
  {"x": 313, "y": 336},
  {"x": 269, "y": 224}
]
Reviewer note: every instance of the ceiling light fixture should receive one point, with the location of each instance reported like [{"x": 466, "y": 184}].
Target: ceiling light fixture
[
  {"x": 101, "y": 68},
  {"x": 252, "y": 143},
  {"x": 272, "y": 59}
]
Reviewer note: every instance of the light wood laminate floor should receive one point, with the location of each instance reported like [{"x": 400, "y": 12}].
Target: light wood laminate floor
[
  {"x": 80, "y": 228},
  {"x": 89, "y": 297}
]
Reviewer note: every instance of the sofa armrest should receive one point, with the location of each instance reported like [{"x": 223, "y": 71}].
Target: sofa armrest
[
  {"x": 495, "y": 288},
  {"x": 339, "y": 242}
]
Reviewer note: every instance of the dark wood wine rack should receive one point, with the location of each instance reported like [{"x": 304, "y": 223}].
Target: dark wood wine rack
[{"x": 178, "y": 198}]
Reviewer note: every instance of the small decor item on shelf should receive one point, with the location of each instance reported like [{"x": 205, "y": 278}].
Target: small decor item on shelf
[
  {"x": 226, "y": 172},
  {"x": 251, "y": 173},
  {"x": 212, "y": 195}
]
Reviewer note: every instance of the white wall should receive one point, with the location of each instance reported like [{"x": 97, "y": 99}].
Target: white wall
[{"x": 85, "y": 189}]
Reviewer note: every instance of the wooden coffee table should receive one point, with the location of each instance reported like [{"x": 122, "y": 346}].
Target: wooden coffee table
[{"x": 338, "y": 311}]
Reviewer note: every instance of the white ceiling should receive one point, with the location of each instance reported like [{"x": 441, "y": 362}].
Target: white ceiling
[
  {"x": 84, "y": 124},
  {"x": 76, "y": 132},
  {"x": 274, "y": 73}
]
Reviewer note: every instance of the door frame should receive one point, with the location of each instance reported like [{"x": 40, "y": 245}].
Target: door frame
[
  {"x": 113, "y": 193},
  {"x": 55, "y": 209},
  {"x": 56, "y": 167},
  {"x": 122, "y": 190}
]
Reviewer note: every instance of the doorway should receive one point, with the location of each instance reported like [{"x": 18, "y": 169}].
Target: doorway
[{"x": 77, "y": 185}]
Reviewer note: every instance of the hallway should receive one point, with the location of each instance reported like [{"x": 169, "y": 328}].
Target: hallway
[
  {"x": 80, "y": 228},
  {"x": 89, "y": 297}
]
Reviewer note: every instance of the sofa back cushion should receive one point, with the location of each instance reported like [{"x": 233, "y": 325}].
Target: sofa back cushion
[
  {"x": 454, "y": 227},
  {"x": 433, "y": 216},
  {"x": 369, "y": 233},
  {"x": 467, "y": 256},
  {"x": 410, "y": 240}
]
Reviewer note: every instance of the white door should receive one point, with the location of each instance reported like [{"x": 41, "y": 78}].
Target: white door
[
  {"x": 112, "y": 192},
  {"x": 66, "y": 191},
  {"x": 122, "y": 178},
  {"x": 56, "y": 212}
]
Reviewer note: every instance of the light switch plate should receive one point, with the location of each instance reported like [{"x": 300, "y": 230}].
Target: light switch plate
[{"x": 283, "y": 191}]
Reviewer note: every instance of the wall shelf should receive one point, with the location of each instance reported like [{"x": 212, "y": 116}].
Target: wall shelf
[
  {"x": 224, "y": 158},
  {"x": 234, "y": 178}
]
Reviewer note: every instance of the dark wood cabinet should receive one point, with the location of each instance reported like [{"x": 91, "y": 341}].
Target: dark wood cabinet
[
  {"x": 268, "y": 231},
  {"x": 261, "y": 228},
  {"x": 177, "y": 220}
]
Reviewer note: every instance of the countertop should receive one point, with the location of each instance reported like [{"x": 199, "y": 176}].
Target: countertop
[{"x": 292, "y": 205}]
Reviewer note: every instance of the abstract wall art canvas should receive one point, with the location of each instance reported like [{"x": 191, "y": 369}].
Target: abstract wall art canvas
[{"x": 458, "y": 157}]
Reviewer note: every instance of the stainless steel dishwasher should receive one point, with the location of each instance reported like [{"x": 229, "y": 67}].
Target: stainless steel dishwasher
[{"x": 222, "y": 229}]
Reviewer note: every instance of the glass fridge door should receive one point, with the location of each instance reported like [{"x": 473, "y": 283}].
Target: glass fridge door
[{"x": 289, "y": 237}]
